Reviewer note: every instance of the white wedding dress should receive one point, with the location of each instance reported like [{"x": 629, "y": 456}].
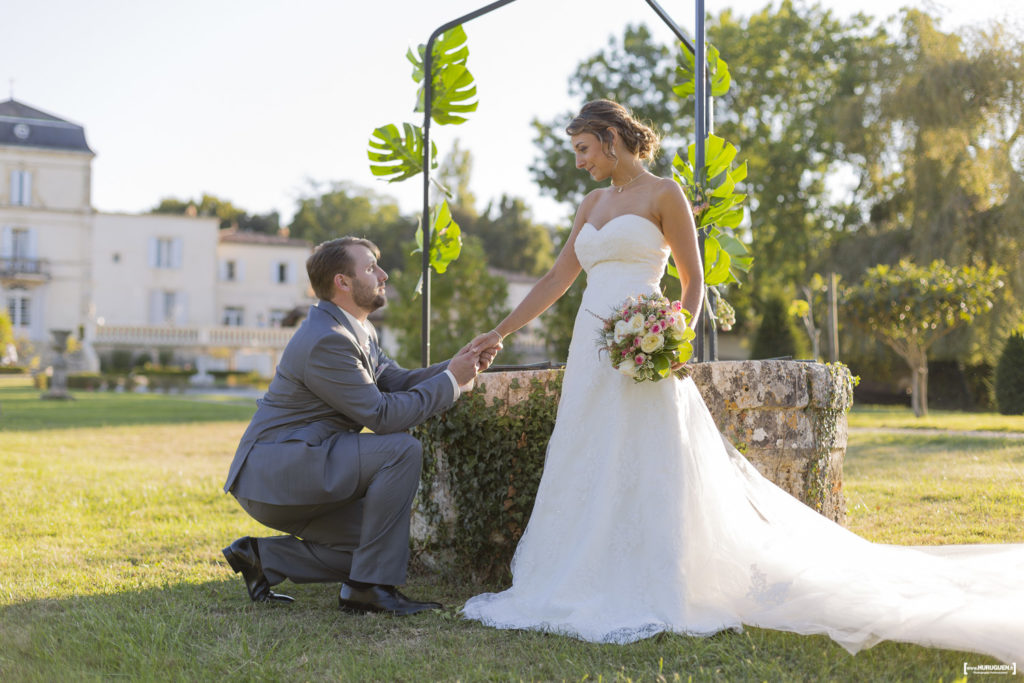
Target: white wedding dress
[{"x": 647, "y": 520}]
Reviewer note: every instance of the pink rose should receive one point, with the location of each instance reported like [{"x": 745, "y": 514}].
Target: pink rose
[
  {"x": 640, "y": 358},
  {"x": 677, "y": 306}
]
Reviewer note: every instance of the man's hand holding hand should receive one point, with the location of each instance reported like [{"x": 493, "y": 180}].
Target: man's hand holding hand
[{"x": 464, "y": 365}]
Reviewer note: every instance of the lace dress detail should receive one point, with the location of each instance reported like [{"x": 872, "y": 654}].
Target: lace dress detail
[{"x": 648, "y": 520}]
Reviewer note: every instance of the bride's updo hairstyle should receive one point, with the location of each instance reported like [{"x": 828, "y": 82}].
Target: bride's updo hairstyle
[{"x": 600, "y": 116}]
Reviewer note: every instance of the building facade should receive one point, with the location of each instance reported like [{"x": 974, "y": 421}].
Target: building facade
[{"x": 154, "y": 284}]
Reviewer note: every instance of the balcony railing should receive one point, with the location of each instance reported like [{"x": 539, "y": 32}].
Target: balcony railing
[
  {"x": 172, "y": 336},
  {"x": 16, "y": 267}
]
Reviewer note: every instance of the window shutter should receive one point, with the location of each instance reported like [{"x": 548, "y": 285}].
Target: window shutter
[
  {"x": 7, "y": 242},
  {"x": 177, "y": 252},
  {"x": 181, "y": 308},
  {"x": 15, "y": 188},
  {"x": 239, "y": 271},
  {"x": 153, "y": 246},
  {"x": 26, "y": 188},
  {"x": 223, "y": 271},
  {"x": 32, "y": 244}
]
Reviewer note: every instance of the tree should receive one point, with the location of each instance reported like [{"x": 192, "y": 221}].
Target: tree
[
  {"x": 511, "y": 239},
  {"x": 469, "y": 302},
  {"x": 1010, "y": 376},
  {"x": 344, "y": 209},
  {"x": 229, "y": 214},
  {"x": 940, "y": 173},
  {"x": 909, "y": 308},
  {"x": 774, "y": 337},
  {"x": 635, "y": 72}
]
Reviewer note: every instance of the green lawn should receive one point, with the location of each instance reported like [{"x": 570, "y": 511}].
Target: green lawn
[
  {"x": 110, "y": 565},
  {"x": 902, "y": 417}
]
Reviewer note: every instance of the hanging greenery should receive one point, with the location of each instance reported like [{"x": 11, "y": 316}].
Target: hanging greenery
[
  {"x": 397, "y": 154},
  {"x": 717, "y": 207}
]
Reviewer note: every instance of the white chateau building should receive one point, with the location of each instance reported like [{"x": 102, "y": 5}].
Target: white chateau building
[{"x": 145, "y": 283}]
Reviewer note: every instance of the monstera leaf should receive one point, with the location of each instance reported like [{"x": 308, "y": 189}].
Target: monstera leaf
[
  {"x": 445, "y": 241},
  {"x": 717, "y": 207},
  {"x": 452, "y": 85},
  {"x": 394, "y": 157},
  {"x": 721, "y": 80}
]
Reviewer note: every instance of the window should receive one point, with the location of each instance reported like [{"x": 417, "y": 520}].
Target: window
[
  {"x": 282, "y": 273},
  {"x": 167, "y": 307},
  {"x": 21, "y": 188},
  {"x": 277, "y": 317},
  {"x": 19, "y": 307},
  {"x": 230, "y": 271},
  {"x": 165, "y": 252},
  {"x": 20, "y": 241},
  {"x": 233, "y": 316}
]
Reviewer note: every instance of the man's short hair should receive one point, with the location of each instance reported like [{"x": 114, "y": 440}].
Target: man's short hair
[{"x": 333, "y": 257}]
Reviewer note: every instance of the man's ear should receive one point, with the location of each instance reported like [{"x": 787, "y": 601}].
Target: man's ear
[{"x": 341, "y": 282}]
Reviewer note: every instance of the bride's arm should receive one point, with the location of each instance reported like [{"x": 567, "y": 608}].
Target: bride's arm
[
  {"x": 548, "y": 289},
  {"x": 680, "y": 232}
]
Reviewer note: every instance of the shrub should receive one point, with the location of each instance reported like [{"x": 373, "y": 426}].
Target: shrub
[
  {"x": 1010, "y": 376},
  {"x": 89, "y": 381},
  {"x": 774, "y": 337}
]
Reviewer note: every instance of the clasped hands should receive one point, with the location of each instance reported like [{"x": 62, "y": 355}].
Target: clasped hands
[{"x": 474, "y": 358}]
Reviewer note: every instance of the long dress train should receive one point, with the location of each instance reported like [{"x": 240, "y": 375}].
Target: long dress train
[{"x": 648, "y": 520}]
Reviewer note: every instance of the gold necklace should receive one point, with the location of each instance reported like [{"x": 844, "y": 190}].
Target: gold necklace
[{"x": 620, "y": 188}]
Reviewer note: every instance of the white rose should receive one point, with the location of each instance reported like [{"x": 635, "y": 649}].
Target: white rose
[
  {"x": 627, "y": 368},
  {"x": 651, "y": 342},
  {"x": 622, "y": 330},
  {"x": 636, "y": 324}
]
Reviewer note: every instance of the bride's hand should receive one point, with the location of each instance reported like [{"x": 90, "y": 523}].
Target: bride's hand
[
  {"x": 487, "y": 340},
  {"x": 680, "y": 370}
]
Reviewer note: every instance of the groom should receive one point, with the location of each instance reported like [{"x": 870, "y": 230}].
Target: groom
[{"x": 304, "y": 465}]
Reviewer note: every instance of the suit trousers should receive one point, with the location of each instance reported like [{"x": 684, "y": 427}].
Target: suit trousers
[{"x": 363, "y": 537}]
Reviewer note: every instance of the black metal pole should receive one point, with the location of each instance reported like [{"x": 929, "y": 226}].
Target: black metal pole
[
  {"x": 700, "y": 118},
  {"x": 428, "y": 107}
]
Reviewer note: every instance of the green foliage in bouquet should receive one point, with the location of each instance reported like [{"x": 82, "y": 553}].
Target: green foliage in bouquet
[{"x": 646, "y": 336}]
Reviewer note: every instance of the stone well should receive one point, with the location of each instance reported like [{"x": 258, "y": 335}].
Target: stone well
[{"x": 787, "y": 417}]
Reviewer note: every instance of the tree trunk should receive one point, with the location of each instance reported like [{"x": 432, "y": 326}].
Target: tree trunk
[
  {"x": 917, "y": 361},
  {"x": 919, "y": 388}
]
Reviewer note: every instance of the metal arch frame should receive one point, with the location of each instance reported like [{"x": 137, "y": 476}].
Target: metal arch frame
[{"x": 702, "y": 115}]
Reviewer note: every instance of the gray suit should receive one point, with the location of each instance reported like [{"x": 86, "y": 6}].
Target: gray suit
[{"x": 304, "y": 468}]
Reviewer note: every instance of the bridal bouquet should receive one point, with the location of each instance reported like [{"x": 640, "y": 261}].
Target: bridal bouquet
[{"x": 646, "y": 335}]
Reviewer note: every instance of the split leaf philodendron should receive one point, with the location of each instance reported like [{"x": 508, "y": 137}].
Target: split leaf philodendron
[{"x": 397, "y": 154}]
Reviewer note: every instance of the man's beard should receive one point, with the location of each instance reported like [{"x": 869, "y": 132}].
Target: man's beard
[{"x": 367, "y": 298}]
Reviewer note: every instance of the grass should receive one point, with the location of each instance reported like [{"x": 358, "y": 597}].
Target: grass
[
  {"x": 110, "y": 565},
  {"x": 900, "y": 417}
]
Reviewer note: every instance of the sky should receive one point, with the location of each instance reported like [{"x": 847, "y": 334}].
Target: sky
[{"x": 256, "y": 101}]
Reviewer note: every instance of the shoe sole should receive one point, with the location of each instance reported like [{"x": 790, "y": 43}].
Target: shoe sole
[{"x": 236, "y": 566}]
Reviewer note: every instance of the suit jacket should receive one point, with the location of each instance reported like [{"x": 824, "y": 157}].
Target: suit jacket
[{"x": 301, "y": 446}]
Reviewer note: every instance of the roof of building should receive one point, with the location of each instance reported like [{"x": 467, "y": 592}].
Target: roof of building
[
  {"x": 25, "y": 126},
  {"x": 236, "y": 236}
]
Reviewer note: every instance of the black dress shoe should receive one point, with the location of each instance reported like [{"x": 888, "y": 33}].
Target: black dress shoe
[
  {"x": 244, "y": 558},
  {"x": 386, "y": 599}
]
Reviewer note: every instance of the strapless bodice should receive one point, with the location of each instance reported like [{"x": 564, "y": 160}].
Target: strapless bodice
[{"x": 625, "y": 257}]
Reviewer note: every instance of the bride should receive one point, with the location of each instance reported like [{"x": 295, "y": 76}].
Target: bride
[{"x": 647, "y": 520}]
